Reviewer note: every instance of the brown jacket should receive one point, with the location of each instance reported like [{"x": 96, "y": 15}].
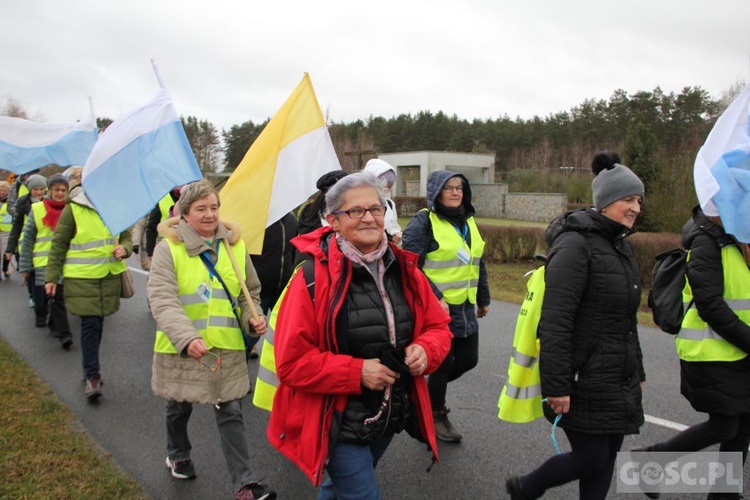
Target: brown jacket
[{"x": 176, "y": 376}]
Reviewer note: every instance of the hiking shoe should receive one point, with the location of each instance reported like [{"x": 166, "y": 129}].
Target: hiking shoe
[
  {"x": 93, "y": 388},
  {"x": 255, "y": 491},
  {"x": 444, "y": 429},
  {"x": 254, "y": 354},
  {"x": 513, "y": 487},
  {"x": 66, "y": 340},
  {"x": 181, "y": 469}
]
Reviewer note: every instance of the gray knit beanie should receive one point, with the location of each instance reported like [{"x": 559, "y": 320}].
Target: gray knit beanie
[
  {"x": 36, "y": 181},
  {"x": 615, "y": 184}
]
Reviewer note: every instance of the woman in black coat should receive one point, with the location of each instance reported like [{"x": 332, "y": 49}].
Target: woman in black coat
[
  {"x": 590, "y": 359},
  {"x": 719, "y": 388}
]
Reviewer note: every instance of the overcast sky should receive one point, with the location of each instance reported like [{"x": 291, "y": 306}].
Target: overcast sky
[{"x": 233, "y": 61}]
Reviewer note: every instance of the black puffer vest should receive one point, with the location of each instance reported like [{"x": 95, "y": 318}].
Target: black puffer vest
[{"x": 365, "y": 335}]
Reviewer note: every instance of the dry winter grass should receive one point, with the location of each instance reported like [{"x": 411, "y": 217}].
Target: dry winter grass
[{"x": 43, "y": 452}]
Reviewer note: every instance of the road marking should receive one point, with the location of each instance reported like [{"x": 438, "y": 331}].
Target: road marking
[
  {"x": 665, "y": 423},
  {"x": 139, "y": 271}
]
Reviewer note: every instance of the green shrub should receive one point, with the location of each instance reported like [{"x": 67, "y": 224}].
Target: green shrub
[{"x": 504, "y": 244}]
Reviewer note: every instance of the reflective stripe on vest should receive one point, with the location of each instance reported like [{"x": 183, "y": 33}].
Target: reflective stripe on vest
[
  {"x": 44, "y": 236},
  {"x": 456, "y": 279},
  {"x": 6, "y": 219},
  {"x": 697, "y": 341},
  {"x": 267, "y": 381},
  {"x": 521, "y": 397},
  {"x": 91, "y": 251},
  {"x": 204, "y": 300}
]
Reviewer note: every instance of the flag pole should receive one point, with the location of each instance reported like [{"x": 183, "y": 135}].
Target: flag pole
[
  {"x": 245, "y": 291},
  {"x": 158, "y": 74}
]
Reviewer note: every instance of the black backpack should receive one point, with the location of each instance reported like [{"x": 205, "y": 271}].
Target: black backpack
[{"x": 665, "y": 298}]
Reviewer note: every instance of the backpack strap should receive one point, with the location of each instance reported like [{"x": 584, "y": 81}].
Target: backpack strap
[{"x": 308, "y": 269}]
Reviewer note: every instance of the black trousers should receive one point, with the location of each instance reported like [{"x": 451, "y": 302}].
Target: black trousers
[
  {"x": 462, "y": 357},
  {"x": 591, "y": 461},
  {"x": 58, "y": 313},
  {"x": 732, "y": 432}
]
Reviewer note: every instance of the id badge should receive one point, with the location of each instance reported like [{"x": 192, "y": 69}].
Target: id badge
[
  {"x": 204, "y": 292},
  {"x": 463, "y": 255}
]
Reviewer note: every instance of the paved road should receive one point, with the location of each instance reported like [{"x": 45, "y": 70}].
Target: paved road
[{"x": 129, "y": 420}]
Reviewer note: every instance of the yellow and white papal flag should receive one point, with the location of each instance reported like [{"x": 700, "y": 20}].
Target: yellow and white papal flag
[{"x": 279, "y": 171}]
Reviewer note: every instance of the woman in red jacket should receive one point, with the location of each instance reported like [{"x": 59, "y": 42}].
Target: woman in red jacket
[{"x": 351, "y": 358}]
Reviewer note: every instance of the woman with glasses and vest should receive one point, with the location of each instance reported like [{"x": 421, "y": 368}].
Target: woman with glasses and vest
[
  {"x": 196, "y": 298},
  {"x": 37, "y": 237},
  {"x": 357, "y": 330},
  {"x": 89, "y": 259},
  {"x": 714, "y": 341},
  {"x": 590, "y": 357},
  {"x": 450, "y": 248}
]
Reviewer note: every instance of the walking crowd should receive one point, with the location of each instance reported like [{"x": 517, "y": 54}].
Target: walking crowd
[{"x": 364, "y": 324}]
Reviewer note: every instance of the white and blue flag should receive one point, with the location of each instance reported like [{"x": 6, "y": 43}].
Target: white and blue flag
[
  {"x": 138, "y": 159},
  {"x": 26, "y": 145},
  {"x": 722, "y": 169}
]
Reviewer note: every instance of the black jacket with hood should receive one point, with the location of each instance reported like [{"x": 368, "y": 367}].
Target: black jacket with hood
[
  {"x": 718, "y": 387},
  {"x": 588, "y": 329},
  {"x": 418, "y": 238}
]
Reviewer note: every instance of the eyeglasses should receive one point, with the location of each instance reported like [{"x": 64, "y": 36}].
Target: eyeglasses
[
  {"x": 358, "y": 213},
  {"x": 457, "y": 189},
  {"x": 212, "y": 365}
]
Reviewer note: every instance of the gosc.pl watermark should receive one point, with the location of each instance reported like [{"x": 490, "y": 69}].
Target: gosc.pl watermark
[{"x": 675, "y": 472}]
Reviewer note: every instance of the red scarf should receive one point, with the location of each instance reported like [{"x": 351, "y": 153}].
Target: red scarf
[{"x": 54, "y": 209}]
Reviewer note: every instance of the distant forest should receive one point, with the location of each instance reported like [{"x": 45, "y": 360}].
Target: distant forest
[{"x": 657, "y": 134}]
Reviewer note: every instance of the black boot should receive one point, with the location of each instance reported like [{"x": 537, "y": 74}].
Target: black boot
[
  {"x": 66, "y": 340},
  {"x": 41, "y": 317}
]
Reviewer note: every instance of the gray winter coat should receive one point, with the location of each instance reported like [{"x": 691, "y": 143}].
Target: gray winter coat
[{"x": 175, "y": 376}]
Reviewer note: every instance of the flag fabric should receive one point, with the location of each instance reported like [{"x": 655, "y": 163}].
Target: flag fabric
[
  {"x": 139, "y": 158},
  {"x": 722, "y": 169},
  {"x": 27, "y": 145},
  {"x": 280, "y": 169}
]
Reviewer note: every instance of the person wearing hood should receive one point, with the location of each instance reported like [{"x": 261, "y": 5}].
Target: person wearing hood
[
  {"x": 387, "y": 175},
  {"x": 37, "y": 238},
  {"x": 37, "y": 187},
  {"x": 89, "y": 259},
  {"x": 450, "y": 249},
  {"x": 6, "y": 223},
  {"x": 196, "y": 298},
  {"x": 714, "y": 342},
  {"x": 590, "y": 358}
]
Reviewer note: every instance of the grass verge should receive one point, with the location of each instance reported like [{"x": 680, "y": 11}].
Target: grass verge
[{"x": 43, "y": 452}]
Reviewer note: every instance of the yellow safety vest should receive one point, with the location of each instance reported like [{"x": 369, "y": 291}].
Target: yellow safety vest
[
  {"x": 521, "y": 397},
  {"x": 204, "y": 300},
  {"x": 165, "y": 204},
  {"x": 91, "y": 251},
  {"x": 454, "y": 267},
  {"x": 44, "y": 236},
  {"x": 6, "y": 219},
  {"x": 697, "y": 341},
  {"x": 267, "y": 381},
  {"x": 23, "y": 190}
]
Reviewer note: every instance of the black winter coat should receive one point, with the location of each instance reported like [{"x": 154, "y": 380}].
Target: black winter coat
[
  {"x": 275, "y": 263},
  {"x": 717, "y": 387},
  {"x": 365, "y": 335},
  {"x": 588, "y": 328},
  {"x": 23, "y": 208}
]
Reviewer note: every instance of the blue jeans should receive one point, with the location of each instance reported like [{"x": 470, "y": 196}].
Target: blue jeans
[
  {"x": 351, "y": 471},
  {"x": 91, "y": 338}
]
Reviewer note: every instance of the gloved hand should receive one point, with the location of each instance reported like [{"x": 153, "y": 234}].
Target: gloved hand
[{"x": 135, "y": 249}]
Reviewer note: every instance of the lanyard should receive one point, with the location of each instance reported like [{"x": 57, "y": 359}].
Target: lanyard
[{"x": 464, "y": 233}]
